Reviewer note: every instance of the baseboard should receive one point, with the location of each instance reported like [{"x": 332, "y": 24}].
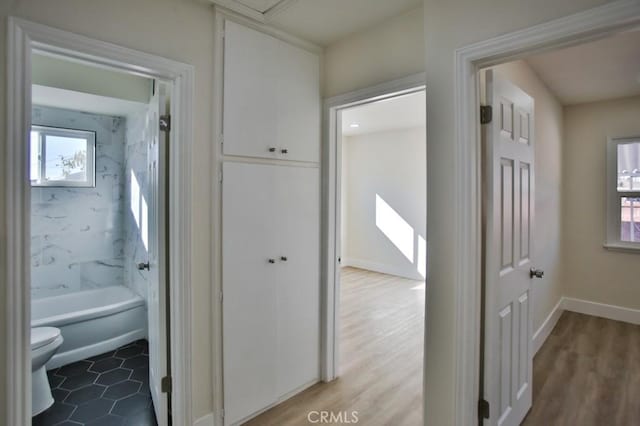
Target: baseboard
[
  {"x": 541, "y": 335},
  {"x": 380, "y": 267},
  {"x": 612, "y": 312},
  {"x": 205, "y": 420}
]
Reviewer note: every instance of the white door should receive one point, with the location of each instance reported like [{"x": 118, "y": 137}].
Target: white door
[
  {"x": 157, "y": 240},
  {"x": 509, "y": 207},
  {"x": 250, "y": 261},
  {"x": 298, "y": 288}
]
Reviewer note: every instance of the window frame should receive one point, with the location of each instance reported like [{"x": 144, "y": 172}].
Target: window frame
[
  {"x": 88, "y": 135},
  {"x": 613, "y": 213}
]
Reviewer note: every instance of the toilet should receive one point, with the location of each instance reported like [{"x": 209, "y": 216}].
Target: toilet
[{"x": 45, "y": 341}]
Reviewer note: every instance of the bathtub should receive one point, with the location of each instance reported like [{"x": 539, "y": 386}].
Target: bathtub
[{"x": 92, "y": 322}]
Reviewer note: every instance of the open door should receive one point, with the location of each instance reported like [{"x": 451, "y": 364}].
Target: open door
[
  {"x": 508, "y": 235},
  {"x": 158, "y": 296}
]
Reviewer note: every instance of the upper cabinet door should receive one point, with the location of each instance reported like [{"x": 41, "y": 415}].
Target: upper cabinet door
[{"x": 271, "y": 105}]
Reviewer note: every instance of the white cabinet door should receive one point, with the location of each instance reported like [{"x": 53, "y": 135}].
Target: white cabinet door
[
  {"x": 298, "y": 287},
  {"x": 249, "y": 288},
  {"x": 271, "y": 106},
  {"x": 298, "y": 104},
  {"x": 250, "y": 113}
]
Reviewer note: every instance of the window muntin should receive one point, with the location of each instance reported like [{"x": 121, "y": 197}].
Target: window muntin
[{"x": 62, "y": 157}]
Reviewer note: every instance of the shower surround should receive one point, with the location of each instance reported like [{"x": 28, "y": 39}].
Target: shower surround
[{"x": 77, "y": 234}]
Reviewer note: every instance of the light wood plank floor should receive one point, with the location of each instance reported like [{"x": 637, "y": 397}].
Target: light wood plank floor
[
  {"x": 587, "y": 373},
  {"x": 382, "y": 329}
]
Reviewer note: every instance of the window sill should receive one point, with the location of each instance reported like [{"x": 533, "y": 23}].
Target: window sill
[{"x": 624, "y": 247}]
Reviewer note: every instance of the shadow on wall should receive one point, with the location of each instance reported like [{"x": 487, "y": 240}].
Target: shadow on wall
[{"x": 411, "y": 244}]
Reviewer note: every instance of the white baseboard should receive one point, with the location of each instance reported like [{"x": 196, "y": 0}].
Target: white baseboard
[
  {"x": 205, "y": 420},
  {"x": 541, "y": 335},
  {"x": 380, "y": 267},
  {"x": 602, "y": 310}
]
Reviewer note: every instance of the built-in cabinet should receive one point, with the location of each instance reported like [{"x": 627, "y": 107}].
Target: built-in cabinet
[
  {"x": 271, "y": 106},
  {"x": 270, "y": 221}
]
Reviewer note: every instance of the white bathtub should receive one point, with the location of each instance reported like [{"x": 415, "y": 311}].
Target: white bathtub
[{"x": 92, "y": 322}]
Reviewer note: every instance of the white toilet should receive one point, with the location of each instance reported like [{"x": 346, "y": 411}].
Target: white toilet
[{"x": 45, "y": 341}]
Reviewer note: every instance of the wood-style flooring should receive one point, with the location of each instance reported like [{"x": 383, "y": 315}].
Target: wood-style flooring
[
  {"x": 587, "y": 373},
  {"x": 381, "y": 346}
]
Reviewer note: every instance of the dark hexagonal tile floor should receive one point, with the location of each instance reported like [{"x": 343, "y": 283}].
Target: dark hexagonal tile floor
[{"x": 110, "y": 389}]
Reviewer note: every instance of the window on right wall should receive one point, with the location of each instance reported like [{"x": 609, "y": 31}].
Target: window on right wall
[{"x": 623, "y": 193}]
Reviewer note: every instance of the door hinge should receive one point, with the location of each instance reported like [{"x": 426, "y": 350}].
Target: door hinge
[
  {"x": 486, "y": 114},
  {"x": 483, "y": 409},
  {"x": 165, "y": 123},
  {"x": 220, "y": 296},
  {"x": 220, "y": 176},
  {"x": 165, "y": 384}
]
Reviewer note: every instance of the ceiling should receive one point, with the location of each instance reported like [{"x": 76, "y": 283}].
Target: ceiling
[
  {"x": 591, "y": 72},
  {"x": 402, "y": 112},
  {"x": 85, "y": 102},
  {"x": 321, "y": 21}
]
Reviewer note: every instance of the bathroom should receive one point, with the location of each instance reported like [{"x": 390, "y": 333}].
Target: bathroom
[{"x": 96, "y": 245}]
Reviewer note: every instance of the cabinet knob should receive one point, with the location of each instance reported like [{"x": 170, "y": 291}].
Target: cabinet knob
[
  {"x": 271, "y": 261},
  {"x": 272, "y": 149},
  {"x": 283, "y": 258},
  {"x": 284, "y": 151},
  {"x": 142, "y": 266}
]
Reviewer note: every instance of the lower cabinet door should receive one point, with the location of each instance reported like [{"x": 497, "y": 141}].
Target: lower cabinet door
[
  {"x": 249, "y": 307},
  {"x": 298, "y": 286}
]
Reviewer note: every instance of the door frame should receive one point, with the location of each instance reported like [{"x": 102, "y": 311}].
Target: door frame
[
  {"x": 593, "y": 24},
  {"x": 25, "y": 37},
  {"x": 331, "y": 202}
]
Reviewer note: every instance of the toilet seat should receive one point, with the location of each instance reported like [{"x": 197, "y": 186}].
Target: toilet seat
[{"x": 42, "y": 336}]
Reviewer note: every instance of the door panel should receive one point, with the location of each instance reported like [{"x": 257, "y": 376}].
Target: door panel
[
  {"x": 249, "y": 288},
  {"x": 157, "y": 303},
  {"x": 508, "y": 203},
  {"x": 298, "y": 278}
]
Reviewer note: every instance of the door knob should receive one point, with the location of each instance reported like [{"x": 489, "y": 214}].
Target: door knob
[
  {"x": 143, "y": 265},
  {"x": 536, "y": 273}
]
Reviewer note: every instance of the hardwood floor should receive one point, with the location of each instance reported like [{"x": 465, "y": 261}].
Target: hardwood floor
[
  {"x": 381, "y": 335},
  {"x": 587, "y": 373}
]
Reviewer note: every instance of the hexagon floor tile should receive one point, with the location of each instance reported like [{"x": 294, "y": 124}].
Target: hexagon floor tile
[{"x": 109, "y": 389}]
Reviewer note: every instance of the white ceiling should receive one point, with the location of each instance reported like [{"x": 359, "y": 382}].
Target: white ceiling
[
  {"x": 402, "y": 112},
  {"x": 595, "y": 71},
  {"x": 321, "y": 21},
  {"x": 85, "y": 102}
]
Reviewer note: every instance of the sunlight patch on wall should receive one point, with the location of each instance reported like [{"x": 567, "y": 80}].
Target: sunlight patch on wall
[{"x": 398, "y": 230}]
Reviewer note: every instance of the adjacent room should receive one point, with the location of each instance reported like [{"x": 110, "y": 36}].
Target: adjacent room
[
  {"x": 94, "y": 246},
  {"x": 579, "y": 257}
]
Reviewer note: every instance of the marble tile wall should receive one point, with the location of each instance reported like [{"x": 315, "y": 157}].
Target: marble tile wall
[
  {"x": 77, "y": 234},
  {"x": 136, "y": 197}
]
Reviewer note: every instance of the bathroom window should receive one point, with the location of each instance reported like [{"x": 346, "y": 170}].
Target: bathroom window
[
  {"x": 623, "y": 193},
  {"x": 62, "y": 157}
]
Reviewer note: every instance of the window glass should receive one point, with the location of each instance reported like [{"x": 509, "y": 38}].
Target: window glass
[
  {"x": 66, "y": 159},
  {"x": 629, "y": 166},
  {"x": 630, "y": 219},
  {"x": 35, "y": 156}
]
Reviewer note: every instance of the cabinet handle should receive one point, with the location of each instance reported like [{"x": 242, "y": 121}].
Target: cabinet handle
[
  {"x": 272, "y": 149},
  {"x": 271, "y": 261},
  {"x": 283, "y": 258},
  {"x": 284, "y": 151}
]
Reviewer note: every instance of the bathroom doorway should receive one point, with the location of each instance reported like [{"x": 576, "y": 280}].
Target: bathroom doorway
[
  {"x": 98, "y": 244},
  {"x": 91, "y": 223}
]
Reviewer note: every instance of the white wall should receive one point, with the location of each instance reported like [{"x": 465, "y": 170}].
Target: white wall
[
  {"x": 547, "y": 247},
  {"x": 177, "y": 29},
  {"x": 448, "y": 26},
  {"x": 383, "y": 173},
  {"x": 592, "y": 272},
  {"x": 389, "y": 50}
]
